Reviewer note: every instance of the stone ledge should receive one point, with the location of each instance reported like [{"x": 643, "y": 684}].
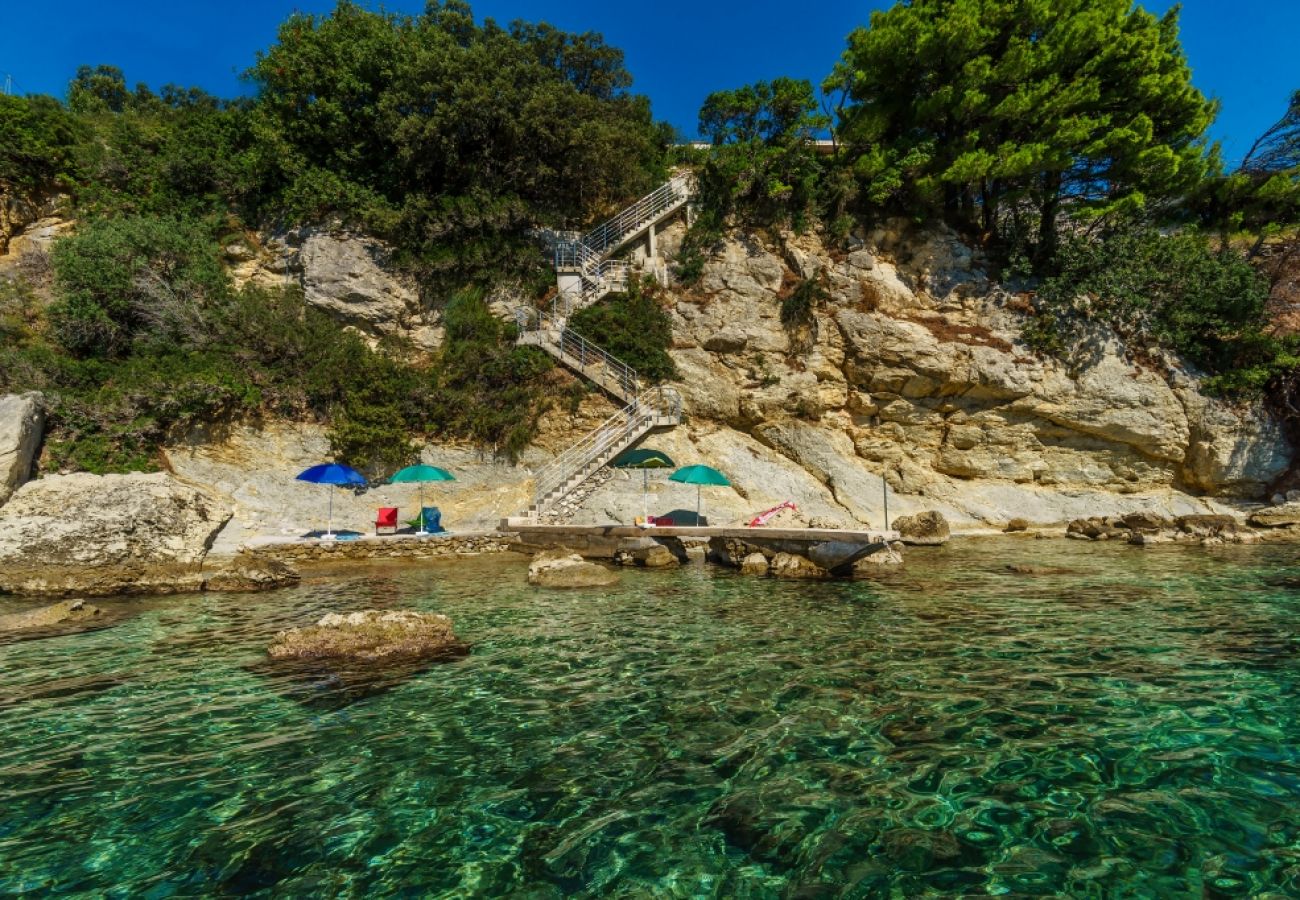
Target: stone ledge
[{"x": 387, "y": 547}]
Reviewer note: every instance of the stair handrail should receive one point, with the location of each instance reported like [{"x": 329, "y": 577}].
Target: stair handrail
[
  {"x": 612, "y": 232},
  {"x": 621, "y": 426},
  {"x": 618, "y": 430},
  {"x": 590, "y": 358}
]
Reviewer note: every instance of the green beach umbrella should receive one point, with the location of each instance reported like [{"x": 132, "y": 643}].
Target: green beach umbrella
[
  {"x": 421, "y": 475},
  {"x": 644, "y": 459},
  {"x": 699, "y": 476}
]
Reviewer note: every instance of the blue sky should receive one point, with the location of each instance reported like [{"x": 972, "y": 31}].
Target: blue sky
[{"x": 1242, "y": 51}]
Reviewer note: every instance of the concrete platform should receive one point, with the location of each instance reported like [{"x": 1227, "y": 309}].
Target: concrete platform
[{"x": 830, "y": 548}]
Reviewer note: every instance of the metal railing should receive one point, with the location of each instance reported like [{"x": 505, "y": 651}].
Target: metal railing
[
  {"x": 576, "y": 351},
  {"x": 586, "y": 254},
  {"x": 610, "y": 234},
  {"x": 578, "y": 463}
]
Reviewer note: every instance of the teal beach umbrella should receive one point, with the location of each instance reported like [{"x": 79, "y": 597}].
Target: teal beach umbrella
[
  {"x": 421, "y": 475},
  {"x": 699, "y": 476},
  {"x": 644, "y": 459},
  {"x": 331, "y": 474}
]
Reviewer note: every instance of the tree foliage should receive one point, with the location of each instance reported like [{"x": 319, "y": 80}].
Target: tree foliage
[
  {"x": 1002, "y": 114},
  {"x": 449, "y": 137}
]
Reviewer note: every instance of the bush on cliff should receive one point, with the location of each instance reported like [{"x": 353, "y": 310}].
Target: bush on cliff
[
  {"x": 634, "y": 327},
  {"x": 1158, "y": 291}
]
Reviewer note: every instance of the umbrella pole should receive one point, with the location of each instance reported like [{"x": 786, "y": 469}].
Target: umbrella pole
[
  {"x": 645, "y": 496},
  {"x": 420, "y": 512},
  {"x": 329, "y": 527},
  {"x": 697, "y": 506}
]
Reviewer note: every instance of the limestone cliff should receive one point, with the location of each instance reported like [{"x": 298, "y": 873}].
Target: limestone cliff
[
  {"x": 908, "y": 378},
  {"x": 911, "y": 370}
]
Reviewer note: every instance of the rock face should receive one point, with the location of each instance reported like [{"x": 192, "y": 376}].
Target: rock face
[
  {"x": 112, "y": 534},
  {"x": 22, "y": 421},
  {"x": 346, "y": 276},
  {"x": 927, "y": 528},
  {"x": 1284, "y": 515},
  {"x": 55, "y": 614},
  {"x": 912, "y": 370},
  {"x": 564, "y": 569},
  {"x": 371, "y": 636},
  {"x": 754, "y": 564}
]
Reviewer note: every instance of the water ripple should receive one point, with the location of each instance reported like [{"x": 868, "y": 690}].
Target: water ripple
[{"x": 1126, "y": 728}]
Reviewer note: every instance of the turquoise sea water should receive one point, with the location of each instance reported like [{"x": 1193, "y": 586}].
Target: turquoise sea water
[{"x": 1131, "y": 728}]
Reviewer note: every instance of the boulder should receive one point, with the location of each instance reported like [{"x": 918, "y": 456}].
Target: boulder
[
  {"x": 789, "y": 565},
  {"x": 656, "y": 557},
  {"x": 754, "y": 564},
  {"x": 55, "y": 614},
  {"x": 1146, "y": 522},
  {"x": 1284, "y": 515},
  {"x": 371, "y": 635},
  {"x": 928, "y": 528},
  {"x": 728, "y": 340},
  {"x": 566, "y": 569},
  {"x": 1016, "y": 525},
  {"x": 1209, "y": 526},
  {"x": 22, "y": 422},
  {"x": 96, "y": 535}
]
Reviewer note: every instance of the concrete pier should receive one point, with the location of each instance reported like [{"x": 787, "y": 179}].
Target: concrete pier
[{"x": 831, "y": 549}]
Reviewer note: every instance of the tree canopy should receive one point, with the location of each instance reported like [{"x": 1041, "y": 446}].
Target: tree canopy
[
  {"x": 996, "y": 112},
  {"x": 450, "y": 137}
]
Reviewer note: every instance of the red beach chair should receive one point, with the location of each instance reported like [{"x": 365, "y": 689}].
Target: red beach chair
[{"x": 386, "y": 520}]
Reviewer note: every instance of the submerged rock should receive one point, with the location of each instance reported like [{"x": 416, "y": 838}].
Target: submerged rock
[
  {"x": 248, "y": 573},
  {"x": 927, "y": 528},
  {"x": 1016, "y": 569},
  {"x": 788, "y": 565},
  {"x": 565, "y": 569},
  {"x": 371, "y": 635},
  {"x": 45, "y": 616}
]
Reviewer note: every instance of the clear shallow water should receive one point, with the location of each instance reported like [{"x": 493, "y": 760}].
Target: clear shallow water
[{"x": 1131, "y": 729}]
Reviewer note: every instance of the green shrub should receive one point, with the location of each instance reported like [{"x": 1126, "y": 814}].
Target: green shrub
[
  {"x": 633, "y": 327},
  {"x": 485, "y": 388},
  {"x": 123, "y": 279},
  {"x": 1160, "y": 291}
]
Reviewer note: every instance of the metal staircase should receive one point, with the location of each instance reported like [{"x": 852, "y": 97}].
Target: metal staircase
[
  {"x": 587, "y": 257},
  {"x": 658, "y": 407}
]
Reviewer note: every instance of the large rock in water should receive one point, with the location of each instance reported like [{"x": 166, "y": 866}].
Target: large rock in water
[
  {"x": 22, "y": 421},
  {"x": 923, "y": 529},
  {"x": 107, "y": 534},
  {"x": 371, "y": 635},
  {"x": 565, "y": 569}
]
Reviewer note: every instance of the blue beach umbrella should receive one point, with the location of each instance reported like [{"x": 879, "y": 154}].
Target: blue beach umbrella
[
  {"x": 331, "y": 474},
  {"x": 698, "y": 476},
  {"x": 421, "y": 475}
]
